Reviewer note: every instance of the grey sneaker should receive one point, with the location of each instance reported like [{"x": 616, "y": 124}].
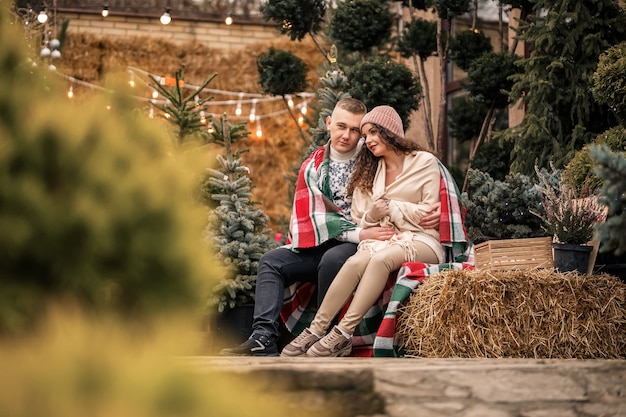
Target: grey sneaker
[
  {"x": 332, "y": 345},
  {"x": 300, "y": 344}
]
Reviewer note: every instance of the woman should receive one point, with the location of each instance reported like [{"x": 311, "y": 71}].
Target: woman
[{"x": 393, "y": 184}]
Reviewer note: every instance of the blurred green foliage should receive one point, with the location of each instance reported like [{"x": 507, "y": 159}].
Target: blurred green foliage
[{"x": 95, "y": 204}]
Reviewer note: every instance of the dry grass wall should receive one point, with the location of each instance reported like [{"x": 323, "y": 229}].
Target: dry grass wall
[{"x": 90, "y": 58}]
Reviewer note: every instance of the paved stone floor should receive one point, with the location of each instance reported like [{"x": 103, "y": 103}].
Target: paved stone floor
[{"x": 420, "y": 387}]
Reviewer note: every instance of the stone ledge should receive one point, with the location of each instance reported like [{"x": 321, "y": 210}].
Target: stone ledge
[{"x": 436, "y": 387}]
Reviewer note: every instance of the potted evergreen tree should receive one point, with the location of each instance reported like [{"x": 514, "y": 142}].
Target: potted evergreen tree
[
  {"x": 570, "y": 215},
  {"x": 237, "y": 230}
]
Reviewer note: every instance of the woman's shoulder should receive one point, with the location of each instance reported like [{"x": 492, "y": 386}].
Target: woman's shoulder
[{"x": 424, "y": 157}]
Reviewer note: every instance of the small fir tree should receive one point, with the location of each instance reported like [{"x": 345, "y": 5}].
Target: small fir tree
[
  {"x": 237, "y": 229},
  {"x": 185, "y": 112},
  {"x": 501, "y": 209},
  {"x": 333, "y": 87}
]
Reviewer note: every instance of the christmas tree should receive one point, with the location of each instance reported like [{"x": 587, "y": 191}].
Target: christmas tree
[
  {"x": 237, "y": 228},
  {"x": 186, "y": 113}
]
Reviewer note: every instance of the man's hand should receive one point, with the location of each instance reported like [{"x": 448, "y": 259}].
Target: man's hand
[
  {"x": 379, "y": 209},
  {"x": 378, "y": 233},
  {"x": 431, "y": 220}
]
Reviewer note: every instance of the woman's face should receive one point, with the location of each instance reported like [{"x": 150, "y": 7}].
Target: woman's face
[{"x": 374, "y": 141}]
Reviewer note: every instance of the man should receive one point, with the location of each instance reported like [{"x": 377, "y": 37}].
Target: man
[{"x": 322, "y": 235}]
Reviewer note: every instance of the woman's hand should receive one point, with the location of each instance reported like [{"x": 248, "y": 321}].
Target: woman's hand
[
  {"x": 379, "y": 209},
  {"x": 431, "y": 220},
  {"x": 378, "y": 233}
]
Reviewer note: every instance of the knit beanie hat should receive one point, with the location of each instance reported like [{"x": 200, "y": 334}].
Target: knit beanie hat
[{"x": 387, "y": 117}]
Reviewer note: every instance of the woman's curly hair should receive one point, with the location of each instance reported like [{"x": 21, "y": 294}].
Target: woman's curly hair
[{"x": 366, "y": 163}]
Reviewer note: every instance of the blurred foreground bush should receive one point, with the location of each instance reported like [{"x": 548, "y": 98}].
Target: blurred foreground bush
[
  {"x": 74, "y": 368},
  {"x": 97, "y": 215},
  {"x": 95, "y": 206}
]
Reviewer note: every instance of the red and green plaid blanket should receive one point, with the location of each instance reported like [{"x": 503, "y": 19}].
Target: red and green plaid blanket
[
  {"x": 315, "y": 218},
  {"x": 375, "y": 335}
]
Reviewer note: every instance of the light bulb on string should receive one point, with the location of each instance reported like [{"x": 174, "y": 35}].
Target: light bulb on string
[
  {"x": 253, "y": 111},
  {"x": 42, "y": 17},
  {"x": 303, "y": 110},
  {"x": 70, "y": 92},
  {"x": 259, "y": 131},
  {"x": 300, "y": 121},
  {"x": 229, "y": 19},
  {"x": 155, "y": 94},
  {"x": 202, "y": 117},
  {"x": 290, "y": 101},
  {"x": 166, "y": 18},
  {"x": 238, "y": 109},
  {"x": 131, "y": 82},
  {"x": 105, "y": 10}
]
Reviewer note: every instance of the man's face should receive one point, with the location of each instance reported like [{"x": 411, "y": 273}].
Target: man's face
[{"x": 345, "y": 130}]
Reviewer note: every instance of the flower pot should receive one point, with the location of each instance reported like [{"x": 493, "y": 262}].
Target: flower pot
[{"x": 571, "y": 257}]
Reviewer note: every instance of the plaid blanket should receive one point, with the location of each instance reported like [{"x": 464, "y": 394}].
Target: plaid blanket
[
  {"x": 315, "y": 218},
  {"x": 375, "y": 335}
]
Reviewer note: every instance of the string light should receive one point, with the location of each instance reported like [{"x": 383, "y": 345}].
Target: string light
[
  {"x": 238, "y": 109},
  {"x": 290, "y": 101},
  {"x": 70, "y": 92},
  {"x": 131, "y": 82},
  {"x": 254, "y": 99},
  {"x": 229, "y": 19},
  {"x": 303, "y": 110},
  {"x": 253, "y": 111},
  {"x": 42, "y": 17},
  {"x": 105, "y": 10},
  {"x": 166, "y": 18},
  {"x": 259, "y": 131}
]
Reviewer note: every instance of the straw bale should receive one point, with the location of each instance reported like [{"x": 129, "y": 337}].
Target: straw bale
[
  {"x": 515, "y": 314},
  {"x": 89, "y": 57}
]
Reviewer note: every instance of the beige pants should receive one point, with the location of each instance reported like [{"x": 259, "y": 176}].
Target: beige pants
[{"x": 368, "y": 273}]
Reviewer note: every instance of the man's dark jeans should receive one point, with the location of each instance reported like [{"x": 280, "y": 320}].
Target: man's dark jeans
[{"x": 281, "y": 267}]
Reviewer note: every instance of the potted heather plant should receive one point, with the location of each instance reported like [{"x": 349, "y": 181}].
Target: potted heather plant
[{"x": 570, "y": 215}]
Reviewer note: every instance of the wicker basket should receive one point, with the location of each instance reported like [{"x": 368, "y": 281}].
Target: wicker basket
[{"x": 514, "y": 254}]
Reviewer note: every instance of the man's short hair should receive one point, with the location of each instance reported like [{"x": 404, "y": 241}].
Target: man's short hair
[{"x": 351, "y": 105}]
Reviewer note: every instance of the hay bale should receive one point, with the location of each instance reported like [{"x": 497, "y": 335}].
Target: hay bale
[{"x": 515, "y": 314}]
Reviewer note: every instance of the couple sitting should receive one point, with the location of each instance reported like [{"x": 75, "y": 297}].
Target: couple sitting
[{"x": 361, "y": 210}]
